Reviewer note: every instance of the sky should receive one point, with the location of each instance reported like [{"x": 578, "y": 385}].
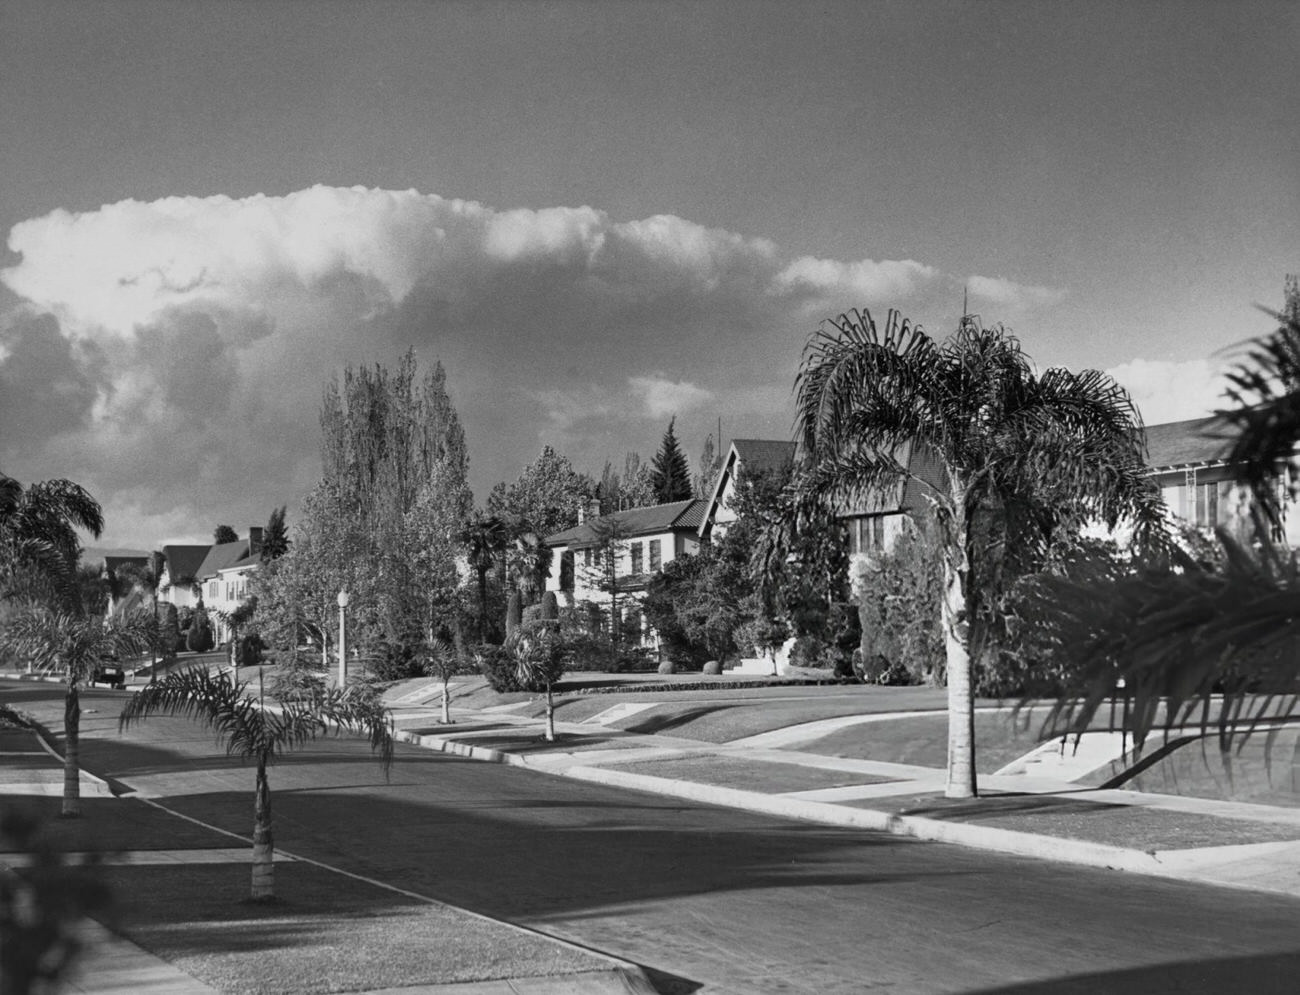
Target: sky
[{"x": 600, "y": 216}]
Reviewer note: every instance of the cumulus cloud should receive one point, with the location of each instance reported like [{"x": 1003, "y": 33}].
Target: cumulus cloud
[
  {"x": 1173, "y": 390},
  {"x": 661, "y": 398},
  {"x": 170, "y": 354},
  {"x": 1013, "y": 296},
  {"x": 865, "y": 280}
]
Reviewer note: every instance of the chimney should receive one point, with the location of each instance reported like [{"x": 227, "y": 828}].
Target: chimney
[{"x": 254, "y": 540}]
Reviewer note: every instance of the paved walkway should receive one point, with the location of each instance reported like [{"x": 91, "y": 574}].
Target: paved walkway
[{"x": 1029, "y": 814}]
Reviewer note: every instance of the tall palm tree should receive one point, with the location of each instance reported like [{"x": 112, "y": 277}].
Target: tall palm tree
[
  {"x": 1181, "y": 640},
  {"x": 254, "y": 731},
  {"x": 484, "y": 538},
  {"x": 38, "y": 531},
  {"x": 58, "y": 641},
  {"x": 146, "y": 578},
  {"x": 1007, "y": 438}
]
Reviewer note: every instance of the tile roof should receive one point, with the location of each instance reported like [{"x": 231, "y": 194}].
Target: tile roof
[
  {"x": 1183, "y": 443},
  {"x": 637, "y": 521}
]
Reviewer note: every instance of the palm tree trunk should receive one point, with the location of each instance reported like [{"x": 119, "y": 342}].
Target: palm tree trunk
[
  {"x": 446, "y": 703},
  {"x": 71, "y": 753},
  {"x": 550, "y": 716},
  {"x": 263, "y": 842},
  {"x": 961, "y": 702}
]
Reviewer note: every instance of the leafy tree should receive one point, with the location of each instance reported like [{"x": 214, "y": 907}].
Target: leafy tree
[
  {"x": 548, "y": 495},
  {"x": 636, "y": 486},
  {"x": 609, "y": 545},
  {"x": 670, "y": 474},
  {"x": 1025, "y": 456},
  {"x": 57, "y": 641},
  {"x": 252, "y": 731},
  {"x": 39, "y": 547},
  {"x": 223, "y": 534},
  {"x": 275, "y": 537},
  {"x": 710, "y": 467}
]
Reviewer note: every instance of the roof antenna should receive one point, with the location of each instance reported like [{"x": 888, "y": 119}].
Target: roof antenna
[{"x": 965, "y": 310}]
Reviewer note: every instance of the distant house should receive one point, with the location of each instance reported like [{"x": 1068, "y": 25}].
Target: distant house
[
  {"x": 223, "y": 578},
  {"x": 178, "y": 580},
  {"x": 872, "y": 522},
  {"x": 743, "y": 456},
  {"x": 649, "y": 538},
  {"x": 1189, "y": 461}
]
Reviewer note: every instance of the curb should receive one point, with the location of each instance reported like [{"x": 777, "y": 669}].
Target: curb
[{"x": 1007, "y": 841}]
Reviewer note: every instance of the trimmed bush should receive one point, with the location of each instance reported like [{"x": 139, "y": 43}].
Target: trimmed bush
[
  {"x": 550, "y": 608},
  {"x": 667, "y": 667},
  {"x": 199, "y": 638},
  {"x": 498, "y": 665},
  {"x": 713, "y": 668}
]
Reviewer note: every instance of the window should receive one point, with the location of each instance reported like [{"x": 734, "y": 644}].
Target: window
[
  {"x": 866, "y": 533},
  {"x": 1205, "y": 505},
  {"x": 656, "y": 555},
  {"x": 212, "y": 590},
  {"x": 636, "y": 549},
  {"x": 586, "y": 558}
]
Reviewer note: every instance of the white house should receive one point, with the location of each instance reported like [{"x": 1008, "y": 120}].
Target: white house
[
  {"x": 180, "y": 574},
  {"x": 1189, "y": 462},
  {"x": 223, "y": 578},
  {"x": 647, "y": 538}
]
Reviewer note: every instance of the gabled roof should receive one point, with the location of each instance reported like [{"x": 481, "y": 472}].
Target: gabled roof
[
  {"x": 223, "y": 555},
  {"x": 652, "y": 519},
  {"x": 1188, "y": 443},
  {"x": 758, "y": 455},
  {"x": 183, "y": 562},
  {"x": 755, "y": 455}
]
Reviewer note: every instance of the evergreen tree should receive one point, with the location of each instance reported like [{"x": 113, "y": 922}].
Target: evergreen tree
[
  {"x": 275, "y": 538},
  {"x": 224, "y": 533},
  {"x": 670, "y": 473}
]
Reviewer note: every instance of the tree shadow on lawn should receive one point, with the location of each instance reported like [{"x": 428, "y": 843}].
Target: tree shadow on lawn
[{"x": 660, "y": 723}]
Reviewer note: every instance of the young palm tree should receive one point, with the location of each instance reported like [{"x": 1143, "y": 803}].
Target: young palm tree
[
  {"x": 58, "y": 641},
  {"x": 261, "y": 734},
  {"x": 1065, "y": 445},
  {"x": 540, "y": 659},
  {"x": 484, "y": 538}
]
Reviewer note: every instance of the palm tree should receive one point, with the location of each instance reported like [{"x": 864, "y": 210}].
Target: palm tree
[
  {"x": 1184, "y": 640},
  {"x": 540, "y": 659},
  {"x": 58, "y": 641},
  {"x": 38, "y": 532},
  {"x": 145, "y": 578},
  {"x": 1066, "y": 445},
  {"x": 255, "y": 731},
  {"x": 484, "y": 538}
]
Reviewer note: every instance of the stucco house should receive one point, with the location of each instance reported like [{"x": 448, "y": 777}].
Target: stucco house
[
  {"x": 647, "y": 538},
  {"x": 180, "y": 575}
]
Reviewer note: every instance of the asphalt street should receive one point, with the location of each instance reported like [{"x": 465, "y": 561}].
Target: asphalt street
[{"x": 711, "y": 899}]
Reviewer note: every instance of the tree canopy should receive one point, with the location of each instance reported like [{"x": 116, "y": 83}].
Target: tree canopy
[{"x": 670, "y": 474}]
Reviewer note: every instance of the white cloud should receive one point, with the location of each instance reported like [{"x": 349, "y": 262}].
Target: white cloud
[
  {"x": 1013, "y": 296},
  {"x": 662, "y": 398},
  {"x": 865, "y": 280},
  {"x": 189, "y": 337},
  {"x": 1173, "y": 390}
]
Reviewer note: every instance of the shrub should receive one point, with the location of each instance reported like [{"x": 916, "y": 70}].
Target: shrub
[
  {"x": 899, "y": 594},
  {"x": 667, "y": 667},
  {"x": 249, "y": 650},
  {"x": 810, "y": 651},
  {"x": 550, "y": 607},
  {"x": 497, "y": 664},
  {"x": 199, "y": 638},
  {"x": 712, "y": 668}
]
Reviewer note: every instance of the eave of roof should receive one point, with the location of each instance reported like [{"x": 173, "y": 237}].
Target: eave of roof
[{"x": 650, "y": 520}]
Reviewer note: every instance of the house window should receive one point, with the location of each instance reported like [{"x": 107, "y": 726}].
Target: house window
[
  {"x": 656, "y": 555},
  {"x": 586, "y": 558},
  {"x": 866, "y": 533},
  {"x": 212, "y": 590},
  {"x": 636, "y": 549},
  {"x": 1204, "y": 505}
]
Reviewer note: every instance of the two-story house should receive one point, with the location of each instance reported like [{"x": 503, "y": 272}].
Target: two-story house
[
  {"x": 223, "y": 578},
  {"x": 178, "y": 580},
  {"x": 641, "y": 541}
]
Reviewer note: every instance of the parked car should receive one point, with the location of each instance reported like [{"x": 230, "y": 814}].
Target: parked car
[{"x": 110, "y": 674}]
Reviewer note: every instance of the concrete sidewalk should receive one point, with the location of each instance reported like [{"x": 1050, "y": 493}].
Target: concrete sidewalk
[{"x": 1191, "y": 839}]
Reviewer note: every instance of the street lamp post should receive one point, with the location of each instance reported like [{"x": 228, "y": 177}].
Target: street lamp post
[{"x": 343, "y": 640}]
